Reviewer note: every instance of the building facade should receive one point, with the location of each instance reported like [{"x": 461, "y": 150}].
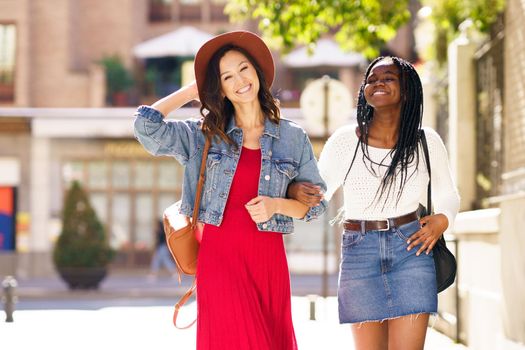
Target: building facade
[
  {"x": 486, "y": 140},
  {"x": 55, "y": 124},
  {"x": 42, "y": 150}
]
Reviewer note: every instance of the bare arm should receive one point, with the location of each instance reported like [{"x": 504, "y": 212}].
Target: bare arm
[
  {"x": 262, "y": 208},
  {"x": 174, "y": 138},
  {"x": 177, "y": 99},
  {"x": 445, "y": 198},
  {"x": 290, "y": 207}
]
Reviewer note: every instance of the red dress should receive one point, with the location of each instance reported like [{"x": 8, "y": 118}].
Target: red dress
[{"x": 243, "y": 283}]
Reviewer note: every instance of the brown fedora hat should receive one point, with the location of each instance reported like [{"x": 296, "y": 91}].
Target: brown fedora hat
[{"x": 246, "y": 40}]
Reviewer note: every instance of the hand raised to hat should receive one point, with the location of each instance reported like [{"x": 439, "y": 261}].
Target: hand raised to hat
[
  {"x": 177, "y": 99},
  {"x": 192, "y": 87},
  {"x": 432, "y": 227}
]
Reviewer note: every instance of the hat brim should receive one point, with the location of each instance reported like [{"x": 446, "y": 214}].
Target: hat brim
[{"x": 246, "y": 40}]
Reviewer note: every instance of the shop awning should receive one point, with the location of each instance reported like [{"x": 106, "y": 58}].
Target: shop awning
[
  {"x": 327, "y": 53},
  {"x": 184, "y": 41}
]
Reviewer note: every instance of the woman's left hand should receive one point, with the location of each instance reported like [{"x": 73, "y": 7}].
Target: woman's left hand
[
  {"x": 261, "y": 208},
  {"x": 432, "y": 228},
  {"x": 306, "y": 193}
]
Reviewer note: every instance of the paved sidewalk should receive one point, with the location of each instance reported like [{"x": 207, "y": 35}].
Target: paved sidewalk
[
  {"x": 138, "y": 285},
  {"x": 149, "y": 327},
  {"x": 131, "y": 312}
]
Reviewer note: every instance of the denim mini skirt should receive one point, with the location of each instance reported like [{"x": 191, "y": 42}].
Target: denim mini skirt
[{"x": 380, "y": 280}]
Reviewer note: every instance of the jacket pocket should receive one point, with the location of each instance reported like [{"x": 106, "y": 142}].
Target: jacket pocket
[
  {"x": 212, "y": 169},
  {"x": 284, "y": 172}
]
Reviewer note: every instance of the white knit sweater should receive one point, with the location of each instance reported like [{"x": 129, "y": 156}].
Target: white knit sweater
[{"x": 361, "y": 185}]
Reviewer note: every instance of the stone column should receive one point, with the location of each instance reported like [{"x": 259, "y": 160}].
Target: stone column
[
  {"x": 40, "y": 200},
  {"x": 512, "y": 244},
  {"x": 97, "y": 86},
  {"x": 462, "y": 118}
]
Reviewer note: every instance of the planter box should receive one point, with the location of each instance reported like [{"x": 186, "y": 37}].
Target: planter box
[{"x": 82, "y": 278}]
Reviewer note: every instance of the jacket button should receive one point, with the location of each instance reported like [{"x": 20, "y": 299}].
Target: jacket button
[
  {"x": 265, "y": 226},
  {"x": 267, "y": 177}
]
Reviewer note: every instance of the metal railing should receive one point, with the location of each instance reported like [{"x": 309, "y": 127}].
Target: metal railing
[{"x": 489, "y": 117}]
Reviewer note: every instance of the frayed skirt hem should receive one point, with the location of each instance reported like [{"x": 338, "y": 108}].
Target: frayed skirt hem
[{"x": 413, "y": 314}]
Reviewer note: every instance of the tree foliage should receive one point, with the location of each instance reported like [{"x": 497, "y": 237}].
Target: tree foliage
[
  {"x": 359, "y": 25},
  {"x": 82, "y": 241},
  {"x": 118, "y": 78},
  {"x": 448, "y": 15},
  {"x": 362, "y": 26}
]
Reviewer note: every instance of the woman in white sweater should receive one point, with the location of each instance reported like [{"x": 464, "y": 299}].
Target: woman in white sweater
[{"x": 387, "y": 283}]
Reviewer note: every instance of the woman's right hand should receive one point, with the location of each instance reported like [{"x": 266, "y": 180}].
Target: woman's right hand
[
  {"x": 306, "y": 193},
  {"x": 177, "y": 99},
  {"x": 193, "y": 90}
]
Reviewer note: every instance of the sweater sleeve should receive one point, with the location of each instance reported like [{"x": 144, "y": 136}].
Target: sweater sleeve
[
  {"x": 445, "y": 196},
  {"x": 335, "y": 158}
]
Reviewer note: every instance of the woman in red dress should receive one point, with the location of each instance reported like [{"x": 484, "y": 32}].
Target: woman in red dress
[{"x": 243, "y": 283}]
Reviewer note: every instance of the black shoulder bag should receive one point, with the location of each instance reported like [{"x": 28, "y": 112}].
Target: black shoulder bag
[{"x": 443, "y": 259}]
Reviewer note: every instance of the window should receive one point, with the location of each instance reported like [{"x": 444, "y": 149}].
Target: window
[
  {"x": 190, "y": 10},
  {"x": 7, "y": 62},
  {"x": 129, "y": 196},
  {"x": 97, "y": 175},
  {"x": 143, "y": 175},
  {"x": 160, "y": 10},
  {"x": 217, "y": 11},
  {"x": 169, "y": 175},
  {"x": 121, "y": 175}
]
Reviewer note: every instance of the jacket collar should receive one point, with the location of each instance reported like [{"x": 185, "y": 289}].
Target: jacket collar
[{"x": 270, "y": 128}]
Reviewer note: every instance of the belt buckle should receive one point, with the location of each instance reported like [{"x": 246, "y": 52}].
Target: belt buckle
[{"x": 387, "y": 226}]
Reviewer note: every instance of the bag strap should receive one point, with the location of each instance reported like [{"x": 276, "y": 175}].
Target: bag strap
[
  {"x": 200, "y": 184},
  {"x": 427, "y": 161},
  {"x": 196, "y": 206},
  {"x": 183, "y": 301},
  {"x": 353, "y": 160}
]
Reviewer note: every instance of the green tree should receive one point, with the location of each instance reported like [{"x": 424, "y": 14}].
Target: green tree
[
  {"x": 118, "y": 78},
  {"x": 82, "y": 241},
  {"x": 362, "y": 26},
  {"x": 448, "y": 15}
]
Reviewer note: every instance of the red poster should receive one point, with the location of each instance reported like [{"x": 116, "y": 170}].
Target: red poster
[{"x": 7, "y": 218}]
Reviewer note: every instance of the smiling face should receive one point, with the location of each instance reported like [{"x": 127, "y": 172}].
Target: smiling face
[
  {"x": 382, "y": 86},
  {"x": 238, "y": 77}
]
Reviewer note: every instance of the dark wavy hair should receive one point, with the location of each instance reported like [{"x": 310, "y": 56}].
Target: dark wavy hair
[
  {"x": 217, "y": 110},
  {"x": 406, "y": 147}
]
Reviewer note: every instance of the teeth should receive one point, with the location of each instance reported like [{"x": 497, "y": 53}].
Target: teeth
[
  {"x": 244, "y": 89},
  {"x": 380, "y": 93}
]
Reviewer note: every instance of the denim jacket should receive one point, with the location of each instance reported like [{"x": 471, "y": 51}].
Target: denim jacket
[{"x": 286, "y": 155}]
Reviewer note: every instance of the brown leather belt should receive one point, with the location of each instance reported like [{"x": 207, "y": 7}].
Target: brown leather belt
[{"x": 380, "y": 225}]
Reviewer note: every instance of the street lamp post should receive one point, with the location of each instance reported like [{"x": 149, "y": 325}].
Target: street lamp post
[{"x": 326, "y": 104}]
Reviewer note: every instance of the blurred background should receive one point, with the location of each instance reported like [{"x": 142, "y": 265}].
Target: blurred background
[{"x": 72, "y": 73}]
